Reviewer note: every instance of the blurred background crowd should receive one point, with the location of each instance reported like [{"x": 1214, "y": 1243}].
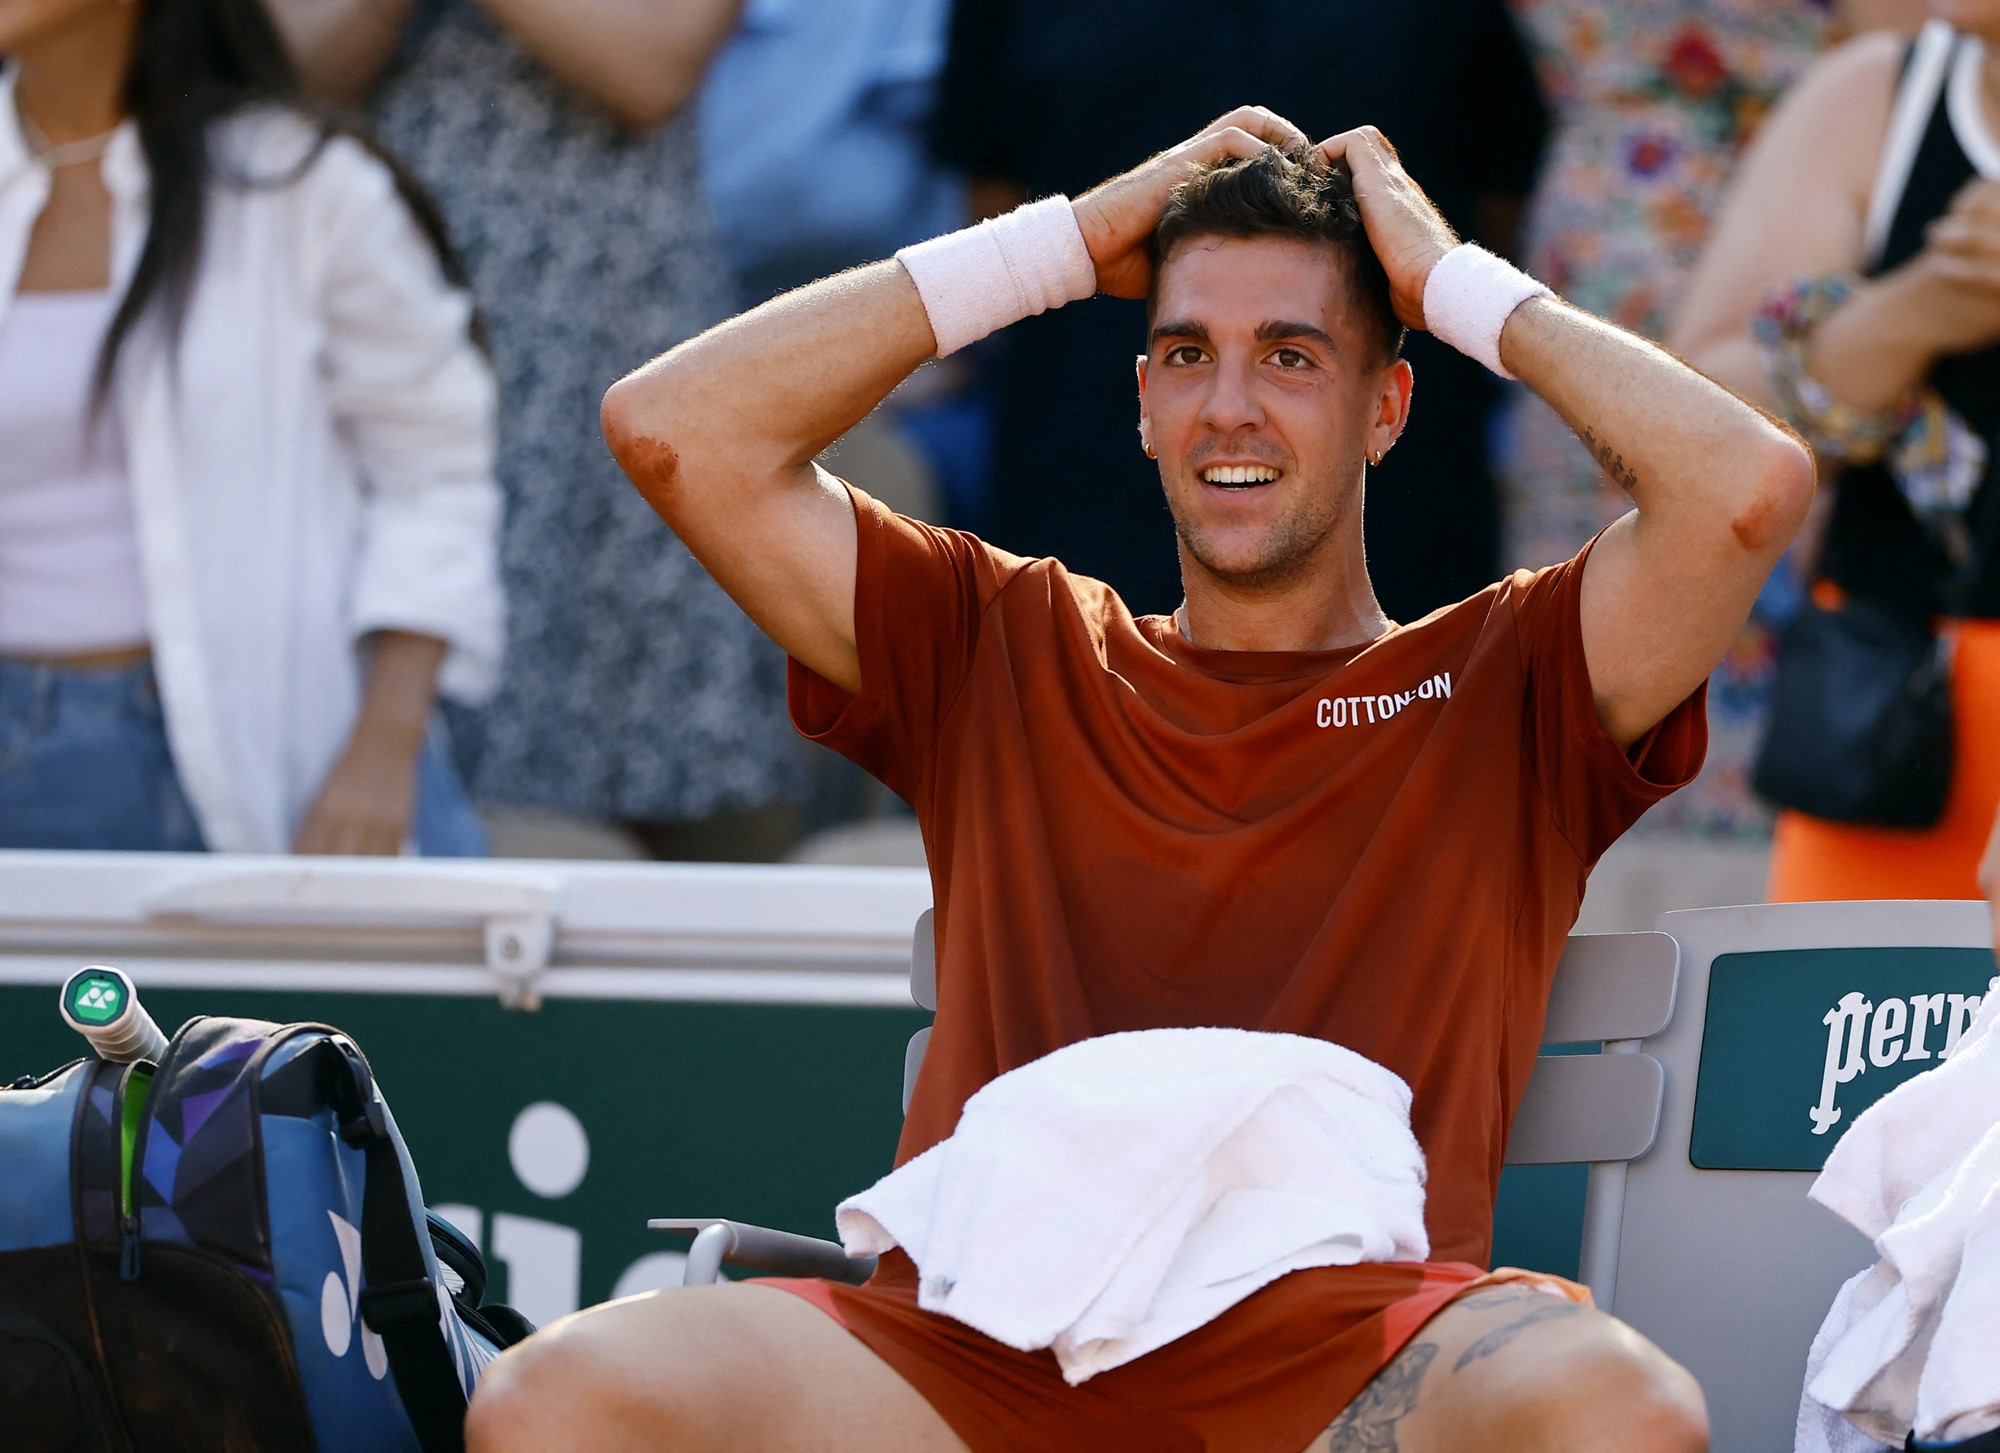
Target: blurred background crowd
[{"x": 308, "y": 539}]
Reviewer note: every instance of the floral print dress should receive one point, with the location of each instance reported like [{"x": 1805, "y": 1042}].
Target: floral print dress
[
  {"x": 635, "y": 690},
  {"x": 1653, "y": 102}
]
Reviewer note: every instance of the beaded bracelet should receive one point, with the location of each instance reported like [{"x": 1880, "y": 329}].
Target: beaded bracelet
[
  {"x": 1784, "y": 329},
  {"x": 1934, "y": 457}
]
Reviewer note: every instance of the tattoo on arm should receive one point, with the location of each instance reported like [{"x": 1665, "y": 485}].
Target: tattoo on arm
[
  {"x": 1499, "y": 1337},
  {"x": 1369, "y": 1423},
  {"x": 1612, "y": 461}
]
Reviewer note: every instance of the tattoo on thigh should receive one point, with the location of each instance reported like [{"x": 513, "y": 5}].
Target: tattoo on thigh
[
  {"x": 1369, "y": 1424},
  {"x": 1492, "y": 1342},
  {"x": 1613, "y": 462},
  {"x": 1501, "y": 1296}
]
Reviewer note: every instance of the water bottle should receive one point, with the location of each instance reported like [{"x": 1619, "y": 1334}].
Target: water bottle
[{"x": 100, "y": 1003}]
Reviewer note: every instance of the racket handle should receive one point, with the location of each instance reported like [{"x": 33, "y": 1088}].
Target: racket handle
[{"x": 101, "y": 1004}]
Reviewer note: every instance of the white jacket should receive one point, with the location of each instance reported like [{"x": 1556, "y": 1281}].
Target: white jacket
[
  {"x": 1122, "y": 1191},
  {"x": 315, "y": 463}
]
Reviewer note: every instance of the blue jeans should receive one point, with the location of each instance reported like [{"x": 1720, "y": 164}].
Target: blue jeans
[{"x": 84, "y": 763}]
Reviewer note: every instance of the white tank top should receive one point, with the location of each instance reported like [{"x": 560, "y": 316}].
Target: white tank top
[{"x": 69, "y": 548}]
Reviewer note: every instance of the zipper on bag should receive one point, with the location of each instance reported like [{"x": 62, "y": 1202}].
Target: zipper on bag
[{"x": 129, "y": 1120}]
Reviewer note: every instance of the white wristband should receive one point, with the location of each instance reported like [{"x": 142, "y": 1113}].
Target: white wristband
[
  {"x": 1468, "y": 298},
  {"x": 1007, "y": 268}
]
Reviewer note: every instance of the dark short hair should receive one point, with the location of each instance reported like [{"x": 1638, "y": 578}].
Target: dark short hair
[{"x": 1281, "y": 194}]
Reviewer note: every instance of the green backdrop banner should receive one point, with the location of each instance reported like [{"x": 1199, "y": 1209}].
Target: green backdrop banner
[
  {"x": 552, "y": 1136},
  {"x": 1800, "y": 1041}
]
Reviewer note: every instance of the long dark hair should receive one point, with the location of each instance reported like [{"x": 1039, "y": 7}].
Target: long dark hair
[{"x": 194, "y": 63}]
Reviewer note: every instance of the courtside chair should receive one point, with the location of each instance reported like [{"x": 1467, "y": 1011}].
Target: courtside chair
[
  {"x": 1603, "y": 1109},
  {"x": 1793, "y": 1018},
  {"x": 1735, "y": 1045}
]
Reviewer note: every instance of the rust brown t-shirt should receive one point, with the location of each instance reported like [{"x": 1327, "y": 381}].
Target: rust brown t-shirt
[{"x": 1383, "y": 846}]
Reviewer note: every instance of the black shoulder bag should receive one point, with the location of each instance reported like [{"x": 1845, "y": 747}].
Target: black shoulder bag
[{"x": 1860, "y": 726}]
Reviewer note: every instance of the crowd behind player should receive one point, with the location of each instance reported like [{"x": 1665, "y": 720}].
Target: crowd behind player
[{"x": 659, "y": 728}]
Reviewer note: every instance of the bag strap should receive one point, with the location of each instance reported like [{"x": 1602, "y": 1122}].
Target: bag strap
[
  {"x": 1922, "y": 82},
  {"x": 399, "y": 1300}
]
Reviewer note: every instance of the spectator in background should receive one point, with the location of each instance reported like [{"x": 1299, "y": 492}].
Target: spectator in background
[
  {"x": 247, "y": 517},
  {"x": 815, "y": 159},
  {"x": 1043, "y": 96},
  {"x": 558, "y": 138},
  {"x": 1865, "y": 226},
  {"x": 812, "y": 138},
  {"x": 1653, "y": 100}
]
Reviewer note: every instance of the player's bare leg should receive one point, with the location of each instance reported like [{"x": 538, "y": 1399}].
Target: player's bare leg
[
  {"x": 720, "y": 1369},
  {"x": 1514, "y": 1370}
]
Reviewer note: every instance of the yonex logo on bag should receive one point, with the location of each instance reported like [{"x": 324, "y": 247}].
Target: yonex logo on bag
[
  {"x": 96, "y": 999},
  {"x": 340, "y": 1304}
]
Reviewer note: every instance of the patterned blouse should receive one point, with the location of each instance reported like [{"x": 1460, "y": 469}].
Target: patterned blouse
[
  {"x": 635, "y": 689},
  {"x": 1653, "y": 101}
]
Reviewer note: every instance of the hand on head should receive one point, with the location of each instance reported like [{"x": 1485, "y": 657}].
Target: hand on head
[
  {"x": 1117, "y": 217},
  {"x": 1407, "y": 232},
  {"x": 1405, "y": 228}
]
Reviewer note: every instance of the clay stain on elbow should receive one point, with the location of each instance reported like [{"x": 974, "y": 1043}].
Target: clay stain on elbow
[
  {"x": 1757, "y": 527},
  {"x": 651, "y": 463}
]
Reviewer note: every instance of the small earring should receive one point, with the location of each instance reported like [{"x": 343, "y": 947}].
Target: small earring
[{"x": 1376, "y": 457}]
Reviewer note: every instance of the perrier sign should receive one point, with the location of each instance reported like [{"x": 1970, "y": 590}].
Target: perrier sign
[{"x": 1798, "y": 1042}]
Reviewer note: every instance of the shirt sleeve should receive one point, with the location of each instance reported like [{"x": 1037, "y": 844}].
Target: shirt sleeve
[
  {"x": 920, "y": 597},
  {"x": 1593, "y": 788},
  {"x": 416, "y": 397}
]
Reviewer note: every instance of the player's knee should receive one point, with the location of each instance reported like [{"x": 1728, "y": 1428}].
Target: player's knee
[
  {"x": 518, "y": 1400},
  {"x": 572, "y": 1387},
  {"x": 1616, "y": 1391}
]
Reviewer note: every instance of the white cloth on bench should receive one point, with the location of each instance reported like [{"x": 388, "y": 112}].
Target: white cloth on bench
[
  {"x": 1909, "y": 1343},
  {"x": 1122, "y": 1191}
]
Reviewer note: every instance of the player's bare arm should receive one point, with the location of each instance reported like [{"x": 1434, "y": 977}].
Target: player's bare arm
[
  {"x": 720, "y": 433},
  {"x": 1720, "y": 487}
]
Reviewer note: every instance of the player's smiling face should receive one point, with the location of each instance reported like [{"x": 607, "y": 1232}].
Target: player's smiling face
[{"x": 1263, "y": 391}]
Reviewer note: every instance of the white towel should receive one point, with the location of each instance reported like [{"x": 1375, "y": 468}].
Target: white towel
[
  {"x": 1820, "y": 1428},
  {"x": 1909, "y": 1343},
  {"x": 1123, "y": 1191},
  {"x": 1959, "y": 1393},
  {"x": 1917, "y": 1131}
]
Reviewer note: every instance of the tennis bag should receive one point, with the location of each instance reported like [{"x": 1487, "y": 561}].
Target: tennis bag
[{"x": 228, "y": 1251}]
